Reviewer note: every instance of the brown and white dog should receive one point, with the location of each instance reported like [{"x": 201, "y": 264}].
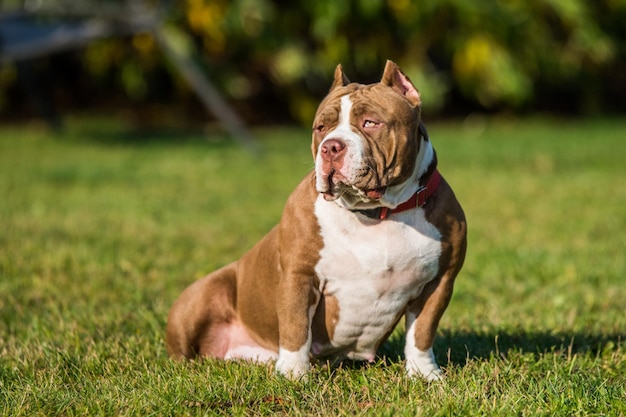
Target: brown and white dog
[{"x": 374, "y": 233}]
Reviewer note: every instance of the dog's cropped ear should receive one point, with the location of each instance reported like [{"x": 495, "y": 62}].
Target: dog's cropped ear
[
  {"x": 340, "y": 78},
  {"x": 395, "y": 78}
]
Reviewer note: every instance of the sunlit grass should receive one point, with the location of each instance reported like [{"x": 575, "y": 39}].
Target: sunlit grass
[{"x": 101, "y": 229}]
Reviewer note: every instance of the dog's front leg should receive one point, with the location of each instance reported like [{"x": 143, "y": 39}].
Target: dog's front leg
[
  {"x": 422, "y": 319},
  {"x": 296, "y": 305}
]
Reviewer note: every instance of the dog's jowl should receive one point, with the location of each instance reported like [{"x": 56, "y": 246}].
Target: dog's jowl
[{"x": 374, "y": 233}]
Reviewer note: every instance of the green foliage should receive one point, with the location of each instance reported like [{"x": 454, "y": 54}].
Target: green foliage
[
  {"x": 102, "y": 228},
  {"x": 498, "y": 54},
  {"x": 489, "y": 55}
]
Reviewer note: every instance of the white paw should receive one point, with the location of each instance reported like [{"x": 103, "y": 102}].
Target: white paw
[
  {"x": 422, "y": 364},
  {"x": 293, "y": 365}
]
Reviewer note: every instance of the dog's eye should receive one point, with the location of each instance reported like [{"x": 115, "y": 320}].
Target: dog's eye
[
  {"x": 370, "y": 123},
  {"x": 319, "y": 127}
]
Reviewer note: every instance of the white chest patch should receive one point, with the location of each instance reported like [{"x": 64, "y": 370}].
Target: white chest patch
[{"x": 373, "y": 269}]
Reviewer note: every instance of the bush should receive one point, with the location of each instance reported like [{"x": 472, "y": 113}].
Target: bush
[{"x": 491, "y": 55}]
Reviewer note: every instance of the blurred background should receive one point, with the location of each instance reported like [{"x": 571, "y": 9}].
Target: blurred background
[{"x": 271, "y": 61}]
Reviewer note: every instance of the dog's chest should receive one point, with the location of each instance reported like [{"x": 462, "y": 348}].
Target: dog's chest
[{"x": 372, "y": 269}]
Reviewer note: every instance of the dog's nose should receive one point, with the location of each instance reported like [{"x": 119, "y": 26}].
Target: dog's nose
[{"x": 333, "y": 149}]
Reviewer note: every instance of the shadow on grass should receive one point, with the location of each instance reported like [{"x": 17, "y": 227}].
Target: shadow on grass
[
  {"x": 461, "y": 347},
  {"x": 119, "y": 134}
]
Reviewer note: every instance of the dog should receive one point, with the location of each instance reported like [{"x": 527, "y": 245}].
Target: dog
[{"x": 372, "y": 234}]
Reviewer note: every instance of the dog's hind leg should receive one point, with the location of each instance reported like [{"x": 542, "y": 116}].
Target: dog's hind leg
[{"x": 199, "y": 320}]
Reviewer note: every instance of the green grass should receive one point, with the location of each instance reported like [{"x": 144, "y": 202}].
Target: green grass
[{"x": 101, "y": 229}]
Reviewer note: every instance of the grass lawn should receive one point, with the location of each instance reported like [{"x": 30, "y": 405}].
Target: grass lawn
[{"x": 101, "y": 229}]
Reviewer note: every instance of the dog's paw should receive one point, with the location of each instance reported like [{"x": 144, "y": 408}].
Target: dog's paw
[
  {"x": 422, "y": 364},
  {"x": 293, "y": 365},
  {"x": 433, "y": 374}
]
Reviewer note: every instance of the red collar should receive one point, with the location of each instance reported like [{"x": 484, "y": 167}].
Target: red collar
[{"x": 417, "y": 200}]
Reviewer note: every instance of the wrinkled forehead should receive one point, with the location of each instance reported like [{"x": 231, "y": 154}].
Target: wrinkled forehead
[
  {"x": 332, "y": 102},
  {"x": 375, "y": 98}
]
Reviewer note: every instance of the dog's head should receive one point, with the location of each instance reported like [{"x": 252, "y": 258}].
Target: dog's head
[{"x": 366, "y": 140}]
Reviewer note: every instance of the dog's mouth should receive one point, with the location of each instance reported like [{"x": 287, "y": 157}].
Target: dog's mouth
[{"x": 336, "y": 187}]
